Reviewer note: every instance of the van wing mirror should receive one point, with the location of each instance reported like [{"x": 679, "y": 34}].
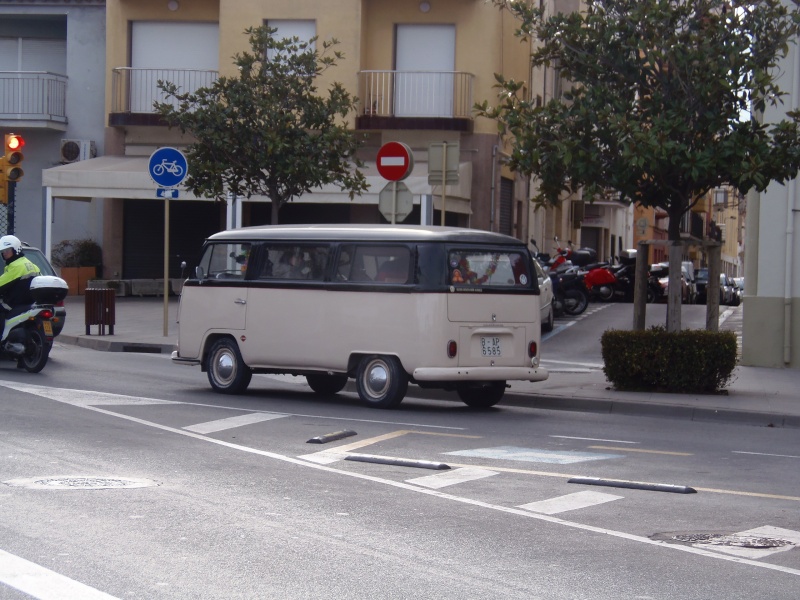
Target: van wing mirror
[{"x": 199, "y": 273}]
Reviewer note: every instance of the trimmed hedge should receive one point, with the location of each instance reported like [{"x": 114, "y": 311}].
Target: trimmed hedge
[{"x": 690, "y": 361}]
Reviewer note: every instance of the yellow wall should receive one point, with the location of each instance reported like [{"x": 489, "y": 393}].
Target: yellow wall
[{"x": 120, "y": 13}]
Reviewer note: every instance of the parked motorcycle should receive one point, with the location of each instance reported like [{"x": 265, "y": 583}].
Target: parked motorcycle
[
  {"x": 28, "y": 333},
  {"x": 569, "y": 292},
  {"x": 617, "y": 282}
]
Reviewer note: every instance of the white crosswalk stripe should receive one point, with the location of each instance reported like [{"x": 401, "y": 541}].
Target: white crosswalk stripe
[
  {"x": 456, "y": 476},
  {"x": 574, "y": 501},
  {"x": 231, "y": 422}
]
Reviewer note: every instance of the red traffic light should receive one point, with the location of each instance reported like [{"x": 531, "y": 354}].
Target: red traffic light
[{"x": 14, "y": 142}]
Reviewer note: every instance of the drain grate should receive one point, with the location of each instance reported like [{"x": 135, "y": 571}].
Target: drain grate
[
  {"x": 80, "y": 482},
  {"x": 732, "y": 540}
]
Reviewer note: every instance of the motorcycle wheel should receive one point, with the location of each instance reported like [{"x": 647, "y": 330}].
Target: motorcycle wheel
[
  {"x": 575, "y": 302},
  {"x": 651, "y": 296},
  {"x": 604, "y": 292},
  {"x": 37, "y": 351}
]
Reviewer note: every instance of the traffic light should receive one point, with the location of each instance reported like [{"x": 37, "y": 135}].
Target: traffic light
[{"x": 13, "y": 157}]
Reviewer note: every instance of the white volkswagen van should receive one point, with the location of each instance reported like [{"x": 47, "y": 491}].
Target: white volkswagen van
[{"x": 383, "y": 304}]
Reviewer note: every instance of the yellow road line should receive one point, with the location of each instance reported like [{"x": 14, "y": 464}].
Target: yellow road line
[
  {"x": 568, "y": 476},
  {"x": 393, "y": 434}
]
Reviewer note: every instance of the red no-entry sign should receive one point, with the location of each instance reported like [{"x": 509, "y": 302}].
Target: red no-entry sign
[{"x": 395, "y": 161}]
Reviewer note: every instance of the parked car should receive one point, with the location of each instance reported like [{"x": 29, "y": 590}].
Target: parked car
[
  {"x": 38, "y": 258},
  {"x": 545, "y": 297},
  {"x": 701, "y": 280},
  {"x": 727, "y": 291},
  {"x": 661, "y": 272},
  {"x": 739, "y": 283}
]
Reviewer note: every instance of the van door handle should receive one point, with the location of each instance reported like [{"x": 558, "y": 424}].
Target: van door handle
[{"x": 240, "y": 301}]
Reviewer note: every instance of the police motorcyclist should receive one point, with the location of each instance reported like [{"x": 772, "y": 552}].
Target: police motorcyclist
[{"x": 15, "y": 282}]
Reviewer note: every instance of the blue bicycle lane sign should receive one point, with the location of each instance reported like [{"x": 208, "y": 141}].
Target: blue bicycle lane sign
[{"x": 168, "y": 167}]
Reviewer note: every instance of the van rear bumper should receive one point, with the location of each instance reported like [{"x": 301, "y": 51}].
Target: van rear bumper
[{"x": 480, "y": 374}]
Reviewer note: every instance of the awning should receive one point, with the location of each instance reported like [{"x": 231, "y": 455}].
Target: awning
[{"x": 127, "y": 177}]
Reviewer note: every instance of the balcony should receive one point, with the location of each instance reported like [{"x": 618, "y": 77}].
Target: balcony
[
  {"x": 34, "y": 99},
  {"x": 415, "y": 100},
  {"x": 134, "y": 91}
]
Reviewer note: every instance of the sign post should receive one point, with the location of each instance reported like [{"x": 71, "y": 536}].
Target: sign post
[
  {"x": 447, "y": 156},
  {"x": 395, "y": 162},
  {"x": 168, "y": 168}
]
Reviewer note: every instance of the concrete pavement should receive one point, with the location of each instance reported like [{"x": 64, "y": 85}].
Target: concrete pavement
[{"x": 756, "y": 396}]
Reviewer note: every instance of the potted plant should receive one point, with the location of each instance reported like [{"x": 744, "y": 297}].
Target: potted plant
[{"x": 79, "y": 261}]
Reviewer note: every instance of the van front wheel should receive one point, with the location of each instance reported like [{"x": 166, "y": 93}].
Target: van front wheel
[
  {"x": 483, "y": 394},
  {"x": 226, "y": 370},
  {"x": 381, "y": 381}
]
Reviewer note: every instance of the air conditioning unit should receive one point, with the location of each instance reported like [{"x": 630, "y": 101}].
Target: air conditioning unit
[{"x": 75, "y": 150}]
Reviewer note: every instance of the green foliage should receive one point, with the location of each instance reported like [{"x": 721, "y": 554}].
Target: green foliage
[
  {"x": 269, "y": 131},
  {"x": 687, "y": 361},
  {"x": 77, "y": 253},
  {"x": 654, "y": 112}
]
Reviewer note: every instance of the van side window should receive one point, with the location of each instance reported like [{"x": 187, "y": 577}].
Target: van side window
[
  {"x": 285, "y": 262},
  {"x": 501, "y": 268},
  {"x": 368, "y": 263},
  {"x": 225, "y": 261}
]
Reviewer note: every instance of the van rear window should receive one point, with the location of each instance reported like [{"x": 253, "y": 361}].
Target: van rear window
[{"x": 489, "y": 268}]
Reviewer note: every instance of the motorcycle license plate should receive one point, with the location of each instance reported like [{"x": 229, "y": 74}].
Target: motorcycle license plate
[
  {"x": 490, "y": 346},
  {"x": 48, "y": 328}
]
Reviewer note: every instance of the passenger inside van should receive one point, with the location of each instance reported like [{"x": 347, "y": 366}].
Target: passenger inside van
[
  {"x": 393, "y": 271},
  {"x": 291, "y": 265}
]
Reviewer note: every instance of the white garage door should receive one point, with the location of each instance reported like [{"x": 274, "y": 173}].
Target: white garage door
[
  {"x": 425, "y": 61},
  {"x": 183, "y": 53}
]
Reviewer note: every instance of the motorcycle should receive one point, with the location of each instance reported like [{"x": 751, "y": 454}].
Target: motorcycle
[
  {"x": 617, "y": 282},
  {"x": 569, "y": 292},
  {"x": 28, "y": 333}
]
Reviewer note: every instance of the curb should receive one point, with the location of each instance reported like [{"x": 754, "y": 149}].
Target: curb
[{"x": 105, "y": 345}]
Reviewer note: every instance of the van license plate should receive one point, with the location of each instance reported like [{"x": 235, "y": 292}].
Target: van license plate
[
  {"x": 48, "y": 328},
  {"x": 490, "y": 346}
]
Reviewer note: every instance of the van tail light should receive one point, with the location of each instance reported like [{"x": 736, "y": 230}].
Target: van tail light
[
  {"x": 533, "y": 349},
  {"x": 452, "y": 349}
]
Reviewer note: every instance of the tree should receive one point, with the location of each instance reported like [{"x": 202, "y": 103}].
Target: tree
[
  {"x": 268, "y": 131},
  {"x": 654, "y": 113}
]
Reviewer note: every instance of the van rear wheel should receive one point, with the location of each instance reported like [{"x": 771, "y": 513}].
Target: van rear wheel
[
  {"x": 481, "y": 394},
  {"x": 226, "y": 370},
  {"x": 381, "y": 381},
  {"x": 326, "y": 385}
]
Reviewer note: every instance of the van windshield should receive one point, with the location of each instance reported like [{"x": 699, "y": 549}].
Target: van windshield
[{"x": 489, "y": 268}]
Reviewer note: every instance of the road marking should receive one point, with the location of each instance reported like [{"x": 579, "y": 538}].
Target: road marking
[
  {"x": 765, "y": 454},
  {"x": 232, "y": 422},
  {"x": 44, "y": 584},
  {"x": 569, "y": 437},
  {"x": 533, "y": 455},
  {"x": 39, "y": 390},
  {"x": 569, "y": 502},
  {"x": 642, "y": 450},
  {"x": 453, "y": 477},
  {"x": 337, "y": 453}
]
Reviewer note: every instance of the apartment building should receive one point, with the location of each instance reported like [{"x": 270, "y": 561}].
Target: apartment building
[
  {"x": 52, "y": 92},
  {"x": 418, "y": 68}
]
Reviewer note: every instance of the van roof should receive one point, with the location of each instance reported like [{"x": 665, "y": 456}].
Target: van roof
[{"x": 352, "y": 232}]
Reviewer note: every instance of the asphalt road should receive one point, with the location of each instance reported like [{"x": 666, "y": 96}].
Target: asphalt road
[{"x": 236, "y": 502}]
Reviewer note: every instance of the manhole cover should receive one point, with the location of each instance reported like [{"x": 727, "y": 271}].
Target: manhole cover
[
  {"x": 80, "y": 482},
  {"x": 741, "y": 541}
]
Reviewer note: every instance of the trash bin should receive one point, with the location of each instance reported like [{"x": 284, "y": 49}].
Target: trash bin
[{"x": 99, "y": 305}]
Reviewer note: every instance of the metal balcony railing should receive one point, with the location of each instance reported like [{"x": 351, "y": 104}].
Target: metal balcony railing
[
  {"x": 135, "y": 90},
  {"x": 416, "y": 94},
  {"x": 33, "y": 96}
]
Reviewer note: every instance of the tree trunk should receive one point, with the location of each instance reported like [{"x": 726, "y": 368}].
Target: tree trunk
[
  {"x": 675, "y": 256},
  {"x": 276, "y": 207}
]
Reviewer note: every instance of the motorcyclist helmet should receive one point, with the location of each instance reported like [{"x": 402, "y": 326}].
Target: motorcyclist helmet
[{"x": 10, "y": 241}]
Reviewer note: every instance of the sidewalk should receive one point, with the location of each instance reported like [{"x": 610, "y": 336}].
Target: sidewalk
[{"x": 756, "y": 396}]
